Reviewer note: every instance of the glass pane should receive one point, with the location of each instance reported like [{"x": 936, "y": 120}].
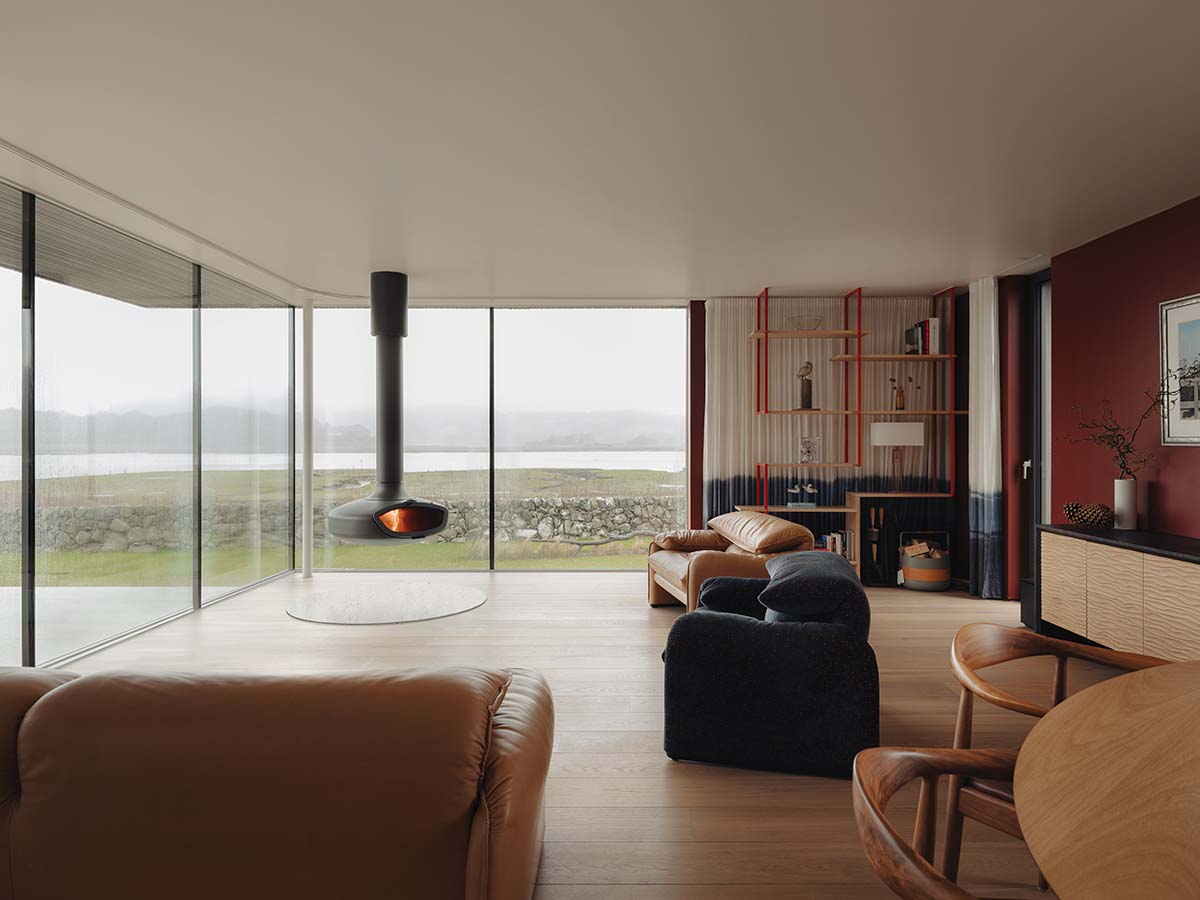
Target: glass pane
[
  {"x": 590, "y": 435},
  {"x": 245, "y": 485},
  {"x": 10, "y": 427},
  {"x": 114, "y": 433},
  {"x": 445, "y": 432}
]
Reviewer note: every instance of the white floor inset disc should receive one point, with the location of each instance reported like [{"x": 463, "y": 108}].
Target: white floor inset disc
[{"x": 404, "y": 601}]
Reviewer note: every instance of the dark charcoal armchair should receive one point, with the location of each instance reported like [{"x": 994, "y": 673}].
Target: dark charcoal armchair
[{"x": 792, "y": 689}]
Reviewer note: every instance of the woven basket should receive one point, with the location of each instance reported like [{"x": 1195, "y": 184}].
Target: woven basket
[{"x": 924, "y": 574}]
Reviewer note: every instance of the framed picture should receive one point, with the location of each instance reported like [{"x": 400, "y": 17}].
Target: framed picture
[{"x": 1179, "y": 348}]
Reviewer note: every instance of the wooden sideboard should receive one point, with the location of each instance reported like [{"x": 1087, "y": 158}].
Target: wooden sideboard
[{"x": 1128, "y": 590}]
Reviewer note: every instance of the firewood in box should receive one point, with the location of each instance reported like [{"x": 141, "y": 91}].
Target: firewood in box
[{"x": 917, "y": 548}]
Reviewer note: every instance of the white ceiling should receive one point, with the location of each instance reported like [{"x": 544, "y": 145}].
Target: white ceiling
[{"x": 615, "y": 149}]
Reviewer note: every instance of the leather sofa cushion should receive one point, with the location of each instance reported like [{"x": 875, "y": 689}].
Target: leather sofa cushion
[
  {"x": 672, "y": 565},
  {"x": 760, "y": 533},
  {"x": 689, "y": 539}
]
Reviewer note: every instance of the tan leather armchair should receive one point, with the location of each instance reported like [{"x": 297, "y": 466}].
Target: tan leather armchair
[
  {"x": 368, "y": 785},
  {"x": 737, "y": 544}
]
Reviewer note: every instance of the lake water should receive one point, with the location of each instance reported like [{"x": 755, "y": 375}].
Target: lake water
[{"x": 67, "y": 465}]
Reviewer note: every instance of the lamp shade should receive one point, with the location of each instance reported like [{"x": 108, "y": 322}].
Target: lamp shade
[{"x": 898, "y": 434}]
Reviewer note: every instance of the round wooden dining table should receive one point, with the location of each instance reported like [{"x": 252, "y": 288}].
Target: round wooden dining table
[{"x": 1107, "y": 788}]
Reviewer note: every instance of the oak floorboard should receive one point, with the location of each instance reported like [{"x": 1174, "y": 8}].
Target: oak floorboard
[{"x": 623, "y": 822}]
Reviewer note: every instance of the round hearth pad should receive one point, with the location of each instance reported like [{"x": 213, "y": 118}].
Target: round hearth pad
[{"x": 404, "y": 601}]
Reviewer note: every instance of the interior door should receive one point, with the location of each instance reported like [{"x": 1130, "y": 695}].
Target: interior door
[{"x": 1036, "y": 465}]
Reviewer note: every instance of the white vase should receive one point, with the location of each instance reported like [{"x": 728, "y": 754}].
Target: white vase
[{"x": 1125, "y": 502}]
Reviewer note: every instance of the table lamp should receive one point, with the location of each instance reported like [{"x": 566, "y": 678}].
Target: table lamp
[{"x": 898, "y": 435}]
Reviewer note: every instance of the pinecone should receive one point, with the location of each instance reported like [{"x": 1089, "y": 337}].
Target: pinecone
[{"x": 1089, "y": 515}]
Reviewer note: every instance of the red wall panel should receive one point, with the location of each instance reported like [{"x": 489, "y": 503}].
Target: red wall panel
[
  {"x": 1105, "y": 346},
  {"x": 696, "y": 373}
]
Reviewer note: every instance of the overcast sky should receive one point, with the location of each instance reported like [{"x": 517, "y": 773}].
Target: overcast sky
[{"x": 96, "y": 354}]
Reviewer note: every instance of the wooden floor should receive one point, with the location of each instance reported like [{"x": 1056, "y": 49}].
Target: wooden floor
[{"x": 623, "y": 821}]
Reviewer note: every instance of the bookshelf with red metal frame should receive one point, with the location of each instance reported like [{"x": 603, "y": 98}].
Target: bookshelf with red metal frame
[{"x": 763, "y": 335}]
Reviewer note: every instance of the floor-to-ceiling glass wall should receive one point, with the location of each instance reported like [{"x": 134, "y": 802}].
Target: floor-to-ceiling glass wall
[
  {"x": 246, "y": 479},
  {"x": 589, "y": 440},
  {"x": 590, "y": 435},
  {"x": 10, "y": 427},
  {"x": 445, "y": 433},
  {"x": 113, "y": 398}
]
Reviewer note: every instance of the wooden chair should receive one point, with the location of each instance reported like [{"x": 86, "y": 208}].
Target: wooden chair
[
  {"x": 878, "y": 774},
  {"x": 976, "y": 647}
]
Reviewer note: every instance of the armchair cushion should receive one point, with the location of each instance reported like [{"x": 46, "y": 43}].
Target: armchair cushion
[
  {"x": 733, "y": 595},
  {"x": 691, "y": 539},
  {"x": 760, "y": 533},
  {"x": 816, "y": 586}
]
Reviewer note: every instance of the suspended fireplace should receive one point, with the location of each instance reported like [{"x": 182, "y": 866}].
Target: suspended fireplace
[{"x": 388, "y": 513}]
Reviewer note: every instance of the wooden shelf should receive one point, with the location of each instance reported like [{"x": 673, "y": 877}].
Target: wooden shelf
[
  {"x": 800, "y": 465},
  {"x": 865, "y": 412},
  {"x": 893, "y": 357},
  {"x": 914, "y": 412},
  {"x": 807, "y": 412},
  {"x": 817, "y": 335},
  {"x": 933, "y": 495},
  {"x": 796, "y": 509}
]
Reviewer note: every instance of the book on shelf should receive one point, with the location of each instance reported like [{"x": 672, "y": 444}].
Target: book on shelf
[
  {"x": 923, "y": 338},
  {"x": 840, "y": 542},
  {"x": 911, "y": 343}
]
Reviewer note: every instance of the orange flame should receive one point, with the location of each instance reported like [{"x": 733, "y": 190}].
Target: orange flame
[{"x": 408, "y": 520}]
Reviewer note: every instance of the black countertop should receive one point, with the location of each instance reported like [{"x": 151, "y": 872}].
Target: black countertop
[{"x": 1175, "y": 546}]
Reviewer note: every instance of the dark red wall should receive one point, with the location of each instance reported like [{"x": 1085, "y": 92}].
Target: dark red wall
[
  {"x": 1105, "y": 346},
  {"x": 696, "y": 368}
]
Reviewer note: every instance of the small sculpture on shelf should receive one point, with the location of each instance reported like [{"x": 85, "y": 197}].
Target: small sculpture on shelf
[
  {"x": 807, "y": 491},
  {"x": 805, "y": 322},
  {"x": 810, "y": 449},
  {"x": 806, "y": 387},
  {"x": 899, "y": 400}
]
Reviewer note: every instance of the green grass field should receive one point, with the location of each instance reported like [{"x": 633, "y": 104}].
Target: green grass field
[{"x": 233, "y": 566}]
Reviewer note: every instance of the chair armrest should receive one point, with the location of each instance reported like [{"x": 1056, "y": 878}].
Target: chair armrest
[
  {"x": 506, "y": 833},
  {"x": 773, "y": 696},
  {"x": 689, "y": 540},
  {"x": 712, "y": 563},
  {"x": 983, "y": 644},
  {"x": 878, "y": 775},
  {"x": 733, "y": 595},
  {"x": 20, "y": 689}
]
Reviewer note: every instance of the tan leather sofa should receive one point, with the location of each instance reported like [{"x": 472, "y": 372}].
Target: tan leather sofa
[
  {"x": 737, "y": 543},
  {"x": 419, "y": 784}
]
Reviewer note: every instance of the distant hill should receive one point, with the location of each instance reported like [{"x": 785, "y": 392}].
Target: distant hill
[{"x": 230, "y": 429}]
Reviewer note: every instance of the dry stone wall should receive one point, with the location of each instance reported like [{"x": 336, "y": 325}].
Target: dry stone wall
[{"x": 146, "y": 528}]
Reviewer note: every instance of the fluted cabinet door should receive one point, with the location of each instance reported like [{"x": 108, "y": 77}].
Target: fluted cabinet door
[
  {"x": 1063, "y": 582},
  {"x": 1114, "y": 597},
  {"x": 1171, "y": 591}
]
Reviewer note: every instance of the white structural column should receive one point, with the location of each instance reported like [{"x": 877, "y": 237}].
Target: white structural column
[{"x": 306, "y": 478}]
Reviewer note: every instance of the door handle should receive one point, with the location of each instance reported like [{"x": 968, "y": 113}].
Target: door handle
[{"x": 1025, "y": 467}]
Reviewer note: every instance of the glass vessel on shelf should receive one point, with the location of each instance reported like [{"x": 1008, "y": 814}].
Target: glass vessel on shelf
[{"x": 804, "y": 322}]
